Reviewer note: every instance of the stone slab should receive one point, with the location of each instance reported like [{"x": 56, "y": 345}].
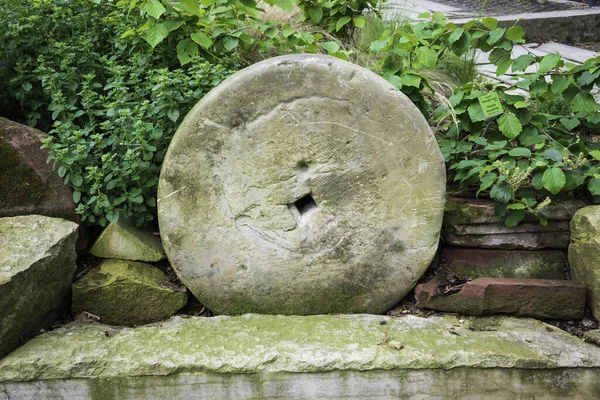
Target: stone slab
[
  {"x": 584, "y": 253},
  {"x": 332, "y": 357},
  {"x": 302, "y": 185},
  {"x": 37, "y": 263},
  {"x": 475, "y": 263},
  {"x": 540, "y": 298},
  {"x": 126, "y": 241}
]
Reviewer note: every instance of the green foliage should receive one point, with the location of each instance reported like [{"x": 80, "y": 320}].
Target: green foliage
[
  {"x": 112, "y": 104},
  {"x": 340, "y": 16}
]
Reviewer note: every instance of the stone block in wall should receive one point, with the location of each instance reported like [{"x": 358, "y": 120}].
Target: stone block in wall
[
  {"x": 473, "y": 223},
  {"x": 474, "y": 263},
  {"x": 540, "y": 298}
]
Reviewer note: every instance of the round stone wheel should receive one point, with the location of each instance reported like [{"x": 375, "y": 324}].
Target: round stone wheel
[{"x": 302, "y": 185}]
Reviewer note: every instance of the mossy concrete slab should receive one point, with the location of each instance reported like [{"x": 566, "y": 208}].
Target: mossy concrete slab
[
  {"x": 352, "y": 356},
  {"x": 303, "y": 184},
  {"x": 128, "y": 293},
  {"x": 125, "y": 241},
  {"x": 37, "y": 263}
]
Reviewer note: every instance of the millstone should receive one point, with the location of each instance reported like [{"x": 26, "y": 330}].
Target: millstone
[{"x": 302, "y": 185}]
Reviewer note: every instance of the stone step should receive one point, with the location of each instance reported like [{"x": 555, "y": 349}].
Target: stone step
[
  {"x": 315, "y": 357},
  {"x": 475, "y": 263},
  {"x": 540, "y": 298}
]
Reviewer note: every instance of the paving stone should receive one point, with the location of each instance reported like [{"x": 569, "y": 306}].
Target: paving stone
[
  {"x": 540, "y": 298},
  {"x": 475, "y": 263},
  {"x": 315, "y": 357}
]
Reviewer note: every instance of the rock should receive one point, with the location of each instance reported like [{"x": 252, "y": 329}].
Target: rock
[
  {"x": 37, "y": 263},
  {"x": 29, "y": 186},
  {"x": 473, "y": 223},
  {"x": 592, "y": 337},
  {"x": 315, "y": 357},
  {"x": 126, "y": 293},
  {"x": 302, "y": 185},
  {"x": 124, "y": 241},
  {"x": 584, "y": 254},
  {"x": 475, "y": 263},
  {"x": 540, "y": 298}
]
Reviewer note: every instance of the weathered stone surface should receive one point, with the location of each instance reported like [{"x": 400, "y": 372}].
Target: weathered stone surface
[
  {"x": 584, "y": 254},
  {"x": 302, "y": 185},
  {"x": 29, "y": 186},
  {"x": 473, "y": 223},
  {"x": 126, "y": 293},
  {"x": 540, "y": 298},
  {"x": 37, "y": 262},
  {"x": 475, "y": 263},
  {"x": 125, "y": 241},
  {"x": 592, "y": 337},
  {"x": 260, "y": 356}
]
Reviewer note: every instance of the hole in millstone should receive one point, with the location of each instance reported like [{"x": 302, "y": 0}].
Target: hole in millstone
[
  {"x": 303, "y": 207},
  {"x": 303, "y": 166},
  {"x": 305, "y": 204}
]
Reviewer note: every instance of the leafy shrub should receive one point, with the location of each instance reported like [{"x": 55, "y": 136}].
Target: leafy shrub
[{"x": 112, "y": 104}]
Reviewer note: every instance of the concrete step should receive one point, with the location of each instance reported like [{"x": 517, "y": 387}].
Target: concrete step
[{"x": 314, "y": 357}]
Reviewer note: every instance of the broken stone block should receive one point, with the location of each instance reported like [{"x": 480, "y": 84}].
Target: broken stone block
[
  {"x": 592, "y": 337},
  {"x": 475, "y": 263},
  {"x": 473, "y": 223},
  {"x": 540, "y": 298},
  {"x": 125, "y": 241},
  {"x": 37, "y": 263},
  {"x": 302, "y": 185},
  {"x": 128, "y": 293},
  {"x": 29, "y": 185},
  {"x": 584, "y": 253}
]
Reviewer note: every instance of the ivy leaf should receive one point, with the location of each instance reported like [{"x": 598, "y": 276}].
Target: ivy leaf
[
  {"x": 285, "y": 5},
  {"x": 475, "y": 112},
  {"x": 553, "y": 155},
  {"x": 501, "y": 193},
  {"x": 341, "y": 22},
  {"x": 515, "y": 217},
  {"x": 316, "y": 14},
  {"x": 411, "y": 80},
  {"x": 186, "y": 51},
  {"x": 378, "y": 45},
  {"x": 509, "y": 125},
  {"x": 570, "y": 123},
  {"x": 520, "y": 152},
  {"x": 584, "y": 102},
  {"x": 330, "y": 47},
  {"x": 490, "y": 23},
  {"x": 495, "y": 35},
  {"x": 156, "y": 34},
  {"x": 230, "y": 43},
  {"x": 522, "y": 62},
  {"x": 554, "y": 180},
  {"x": 594, "y": 186},
  {"x": 515, "y": 33},
  {"x": 549, "y": 62},
  {"x": 426, "y": 56},
  {"x": 173, "y": 114},
  {"x": 154, "y": 9},
  {"x": 202, "y": 39},
  {"x": 359, "y": 21},
  {"x": 559, "y": 84}
]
